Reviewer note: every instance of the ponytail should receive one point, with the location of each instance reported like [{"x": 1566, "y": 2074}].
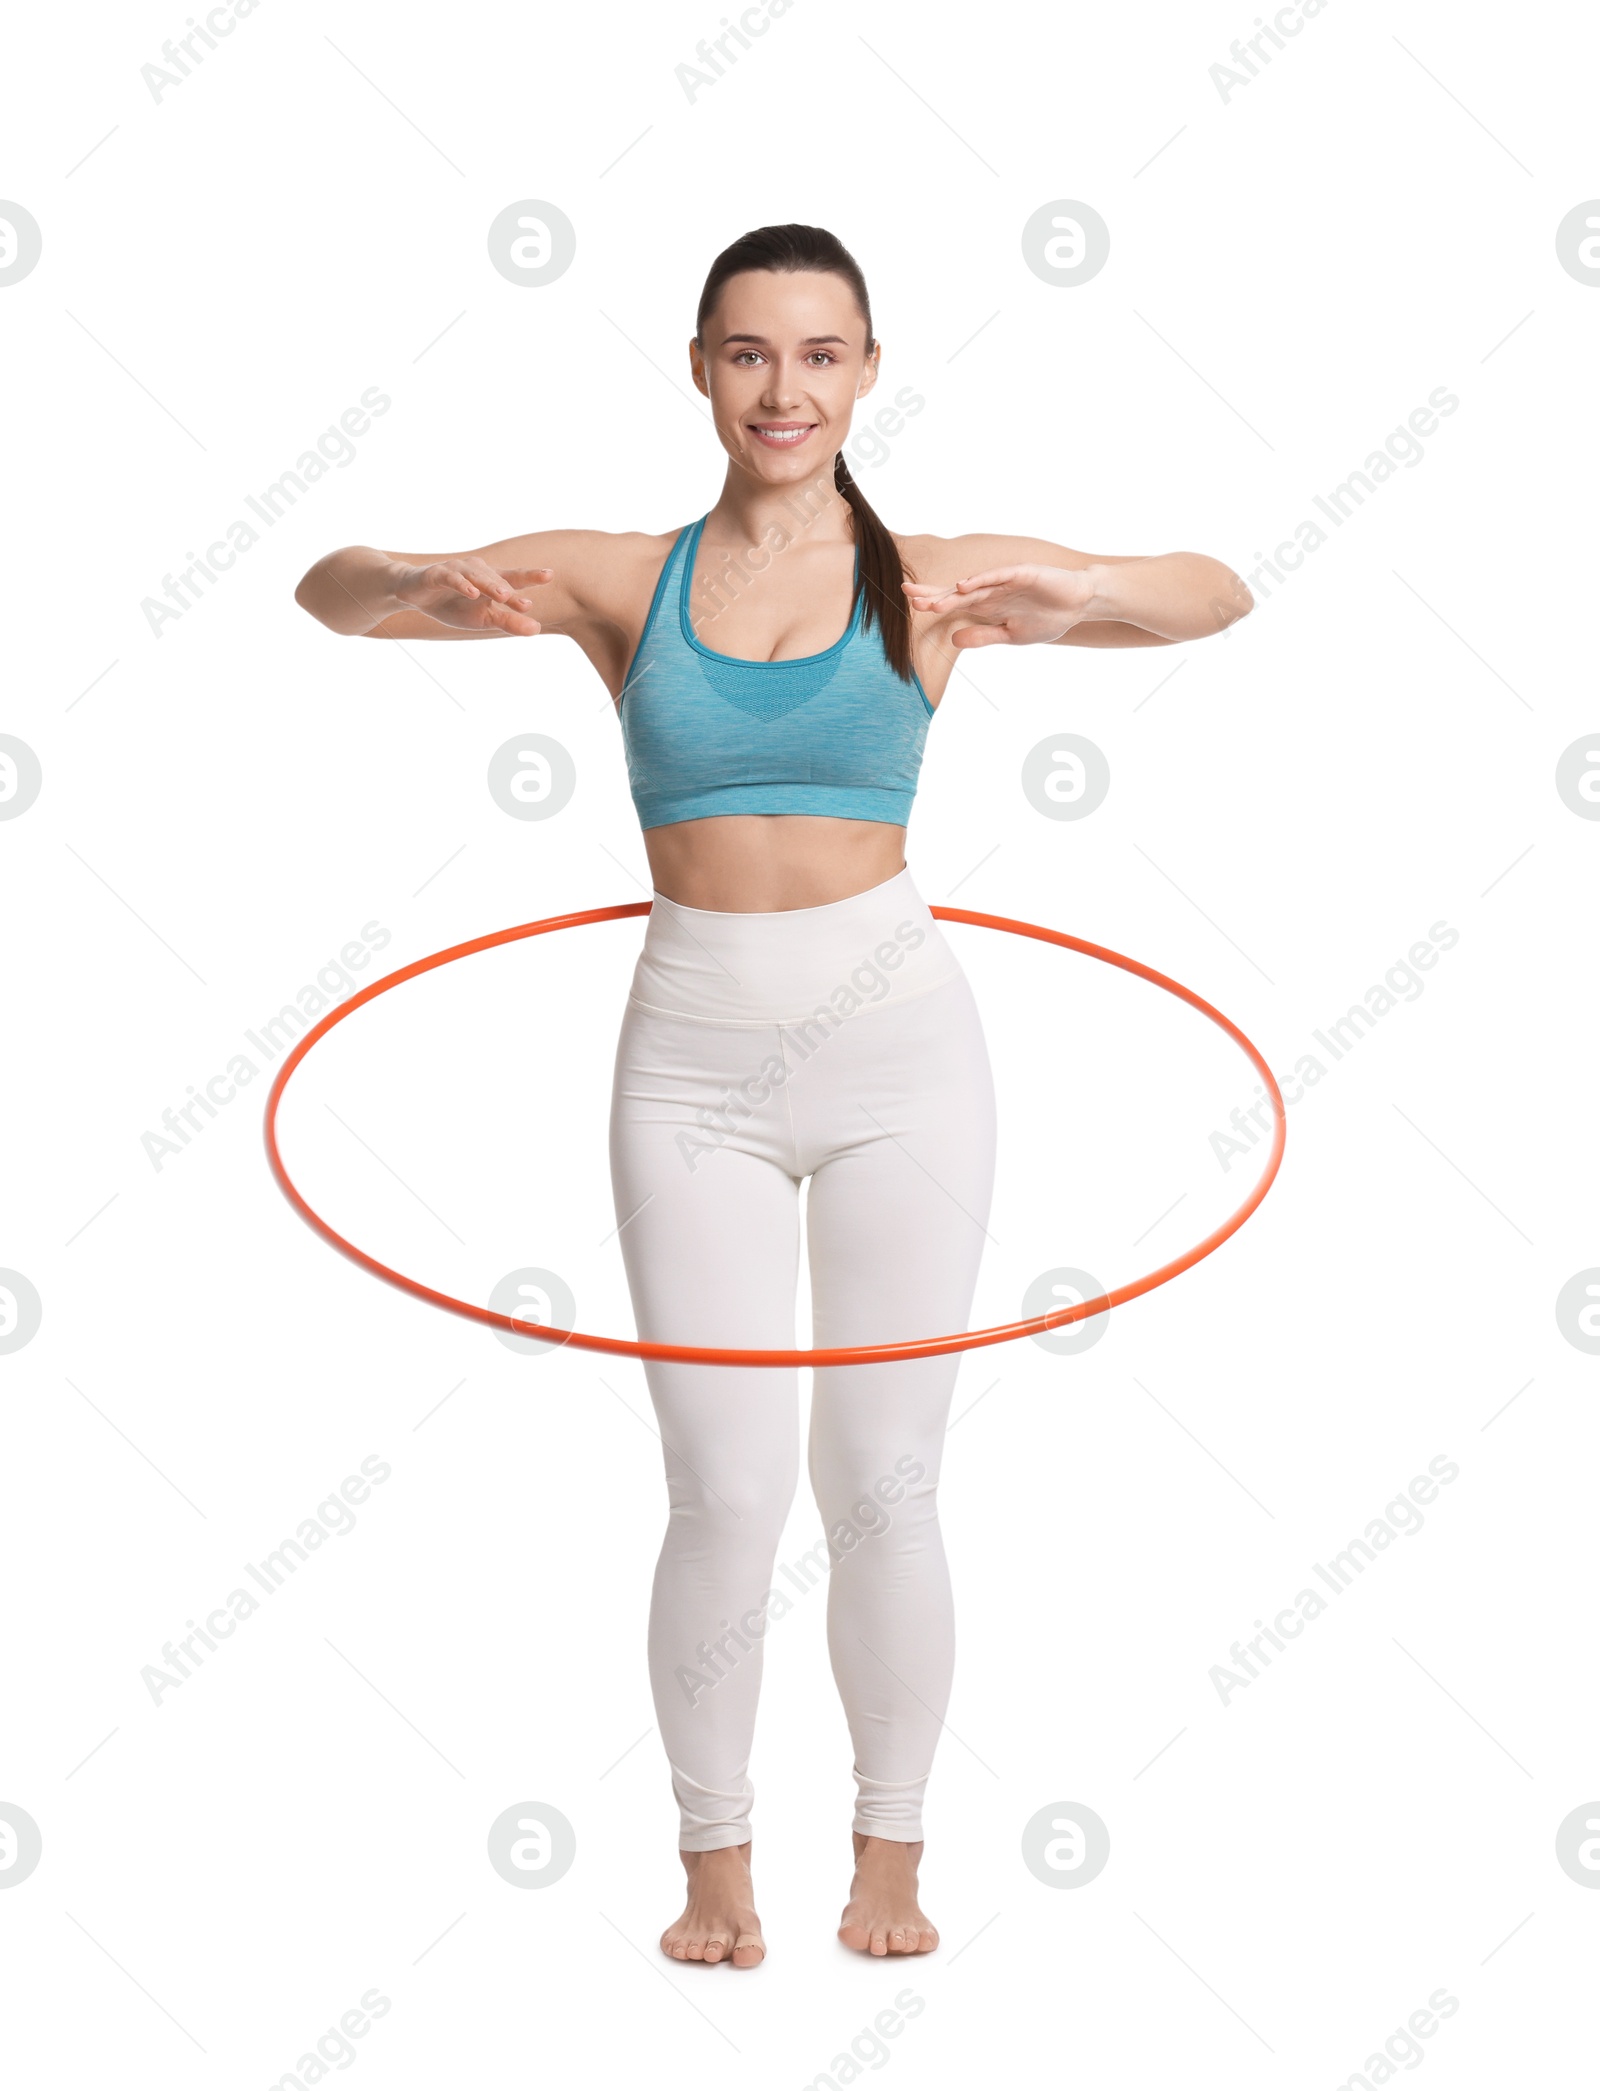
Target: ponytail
[
  {"x": 788, "y": 248},
  {"x": 882, "y": 571}
]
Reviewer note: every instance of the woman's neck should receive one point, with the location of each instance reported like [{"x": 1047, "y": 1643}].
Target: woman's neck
[{"x": 748, "y": 509}]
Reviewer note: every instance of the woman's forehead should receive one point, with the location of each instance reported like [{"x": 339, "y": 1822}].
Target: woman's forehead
[{"x": 787, "y": 304}]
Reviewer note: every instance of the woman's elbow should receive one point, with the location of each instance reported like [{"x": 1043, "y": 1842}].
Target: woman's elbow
[{"x": 1230, "y": 601}]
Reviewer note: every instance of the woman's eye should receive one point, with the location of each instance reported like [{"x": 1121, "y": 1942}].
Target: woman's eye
[{"x": 754, "y": 356}]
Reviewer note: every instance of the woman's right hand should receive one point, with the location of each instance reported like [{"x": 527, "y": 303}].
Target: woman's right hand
[{"x": 472, "y": 595}]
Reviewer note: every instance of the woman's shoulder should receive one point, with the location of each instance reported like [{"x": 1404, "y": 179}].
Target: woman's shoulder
[
  {"x": 627, "y": 564},
  {"x": 610, "y": 550}
]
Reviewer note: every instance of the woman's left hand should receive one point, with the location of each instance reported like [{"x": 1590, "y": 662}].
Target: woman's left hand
[{"x": 1012, "y": 605}]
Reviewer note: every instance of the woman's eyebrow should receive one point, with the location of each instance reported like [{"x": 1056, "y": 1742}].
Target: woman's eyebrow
[{"x": 811, "y": 340}]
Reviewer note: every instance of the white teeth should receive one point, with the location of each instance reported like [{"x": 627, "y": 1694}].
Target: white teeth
[{"x": 784, "y": 435}]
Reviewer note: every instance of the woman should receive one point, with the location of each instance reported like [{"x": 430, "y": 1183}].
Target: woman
[{"x": 795, "y": 1013}]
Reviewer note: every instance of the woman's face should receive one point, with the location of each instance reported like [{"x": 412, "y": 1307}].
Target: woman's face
[{"x": 784, "y": 362}]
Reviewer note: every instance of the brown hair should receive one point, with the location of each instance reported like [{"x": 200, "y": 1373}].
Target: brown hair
[{"x": 788, "y": 248}]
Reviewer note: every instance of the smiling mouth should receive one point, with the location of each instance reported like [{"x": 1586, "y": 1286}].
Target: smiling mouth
[{"x": 781, "y": 435}]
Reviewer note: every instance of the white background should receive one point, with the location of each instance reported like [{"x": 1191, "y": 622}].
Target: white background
[{"x": 1292, "y": 271}]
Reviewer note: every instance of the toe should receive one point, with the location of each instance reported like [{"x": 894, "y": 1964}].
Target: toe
[
  {"x": 856, "y": 1936},
  {"x": 880, "y": 1941}
]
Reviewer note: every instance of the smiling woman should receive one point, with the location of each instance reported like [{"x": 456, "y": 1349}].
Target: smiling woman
[{"x": 776, "y": 665}]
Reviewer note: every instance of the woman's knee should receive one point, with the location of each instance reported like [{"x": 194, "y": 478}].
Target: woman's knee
[
  {"x": 873, "y": 1488},
  {"x": 732, "y": 1506}
]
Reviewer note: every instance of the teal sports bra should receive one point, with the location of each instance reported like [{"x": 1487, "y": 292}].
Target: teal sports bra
[{"x": 706, "y": 733}]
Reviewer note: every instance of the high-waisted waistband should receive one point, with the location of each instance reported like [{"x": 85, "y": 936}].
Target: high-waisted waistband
[{"x": 781, "y": 966}]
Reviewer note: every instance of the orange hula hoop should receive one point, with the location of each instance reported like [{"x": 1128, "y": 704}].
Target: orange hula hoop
[{"x": 866, "y": 1354}]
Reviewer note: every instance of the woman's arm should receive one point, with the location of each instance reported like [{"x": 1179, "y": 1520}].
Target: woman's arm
[
  {"x": 558, "y": 581},
  {"x": 359, "y": 591},
  {"x": 1026, "y": 591}
]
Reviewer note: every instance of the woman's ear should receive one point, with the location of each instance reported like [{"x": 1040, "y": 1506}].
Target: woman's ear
[{"x": 869, "y": 371}]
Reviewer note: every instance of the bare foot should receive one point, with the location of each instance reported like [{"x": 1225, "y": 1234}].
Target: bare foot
[
  {"x": 883, "y": 1915},
  {"x": 719, "y": 1921}
]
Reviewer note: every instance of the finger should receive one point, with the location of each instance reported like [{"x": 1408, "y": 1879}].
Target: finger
[
  {"x": 964, "y": 589},
  {"x": 981, "y": 635},
  {"x": 995, "y": 577},
  {"x": 526, "y": 576},
  {"x": 991, "y": 576},
  {"x": 486, "y": 577},
  {"x": 924, "y": 596},
  {"x": 966, "y": 601},
  {"x": 451, "y": 574}
]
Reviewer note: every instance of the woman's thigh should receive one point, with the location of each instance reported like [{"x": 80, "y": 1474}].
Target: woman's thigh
[
  {"x": 897, "y": 1221},
  {"x": 897, "y": 1117},
  {"x": 709, "y": 1227}
]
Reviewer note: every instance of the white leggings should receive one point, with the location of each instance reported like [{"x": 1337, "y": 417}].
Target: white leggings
[{"x": 840, "y": 1043}]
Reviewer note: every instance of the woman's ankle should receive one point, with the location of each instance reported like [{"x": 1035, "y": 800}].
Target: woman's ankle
[{"x": 692, "y": 1859}]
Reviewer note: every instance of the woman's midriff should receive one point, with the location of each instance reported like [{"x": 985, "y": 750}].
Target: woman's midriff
[{"x": 766, "y": 862}]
